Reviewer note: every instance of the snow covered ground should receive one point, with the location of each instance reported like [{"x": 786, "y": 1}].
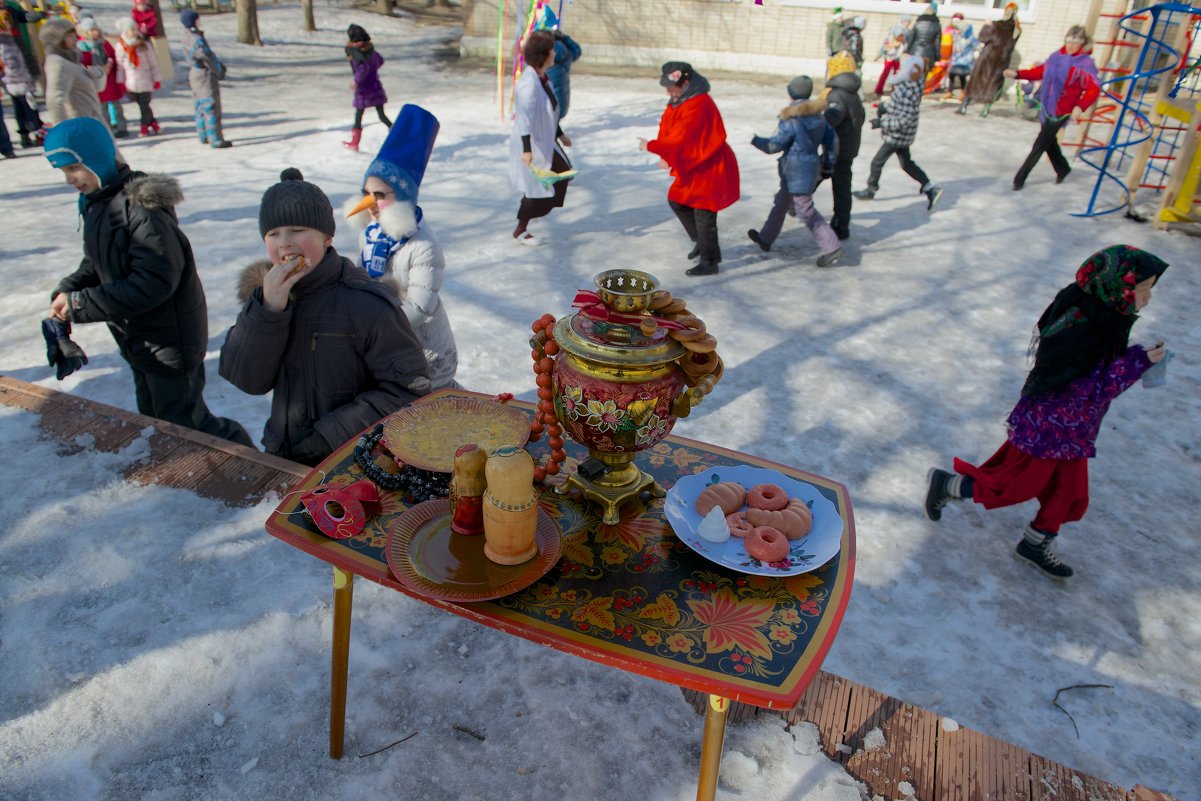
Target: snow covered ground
[{"x": 159, "y": 646}]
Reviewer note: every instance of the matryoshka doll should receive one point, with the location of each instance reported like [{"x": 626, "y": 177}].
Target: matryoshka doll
[{"x": 510, "y": 507}]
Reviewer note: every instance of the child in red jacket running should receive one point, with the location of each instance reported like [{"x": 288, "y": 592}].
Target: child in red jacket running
[
  {"x": 1082, "y": 362},
  {"x": 1069, "y": 86}
]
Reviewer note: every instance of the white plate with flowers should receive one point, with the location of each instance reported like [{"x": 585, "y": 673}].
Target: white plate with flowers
[{"x": 808, "y": 553}]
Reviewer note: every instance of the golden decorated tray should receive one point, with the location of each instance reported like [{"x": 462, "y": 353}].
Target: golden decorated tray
[
  {"x": 430, "y": 559},
  {"x": 426, "y": 435}
]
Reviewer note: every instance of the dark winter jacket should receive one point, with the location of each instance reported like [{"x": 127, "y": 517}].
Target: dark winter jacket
[
  {"x": 338, "y": 358},
  {"x": 898, "y": 122},
  {"x": 852, "y": 42},
  {"x": 802, "y": 132},
  {"x": 845, "y": 113},
  {"x": 926, "y": 39},
  {"x": 567, "y": 52},
  {"x": 138, "y": 274}
]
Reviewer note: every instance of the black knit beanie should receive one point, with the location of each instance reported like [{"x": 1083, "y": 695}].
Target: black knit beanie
[{"x": 295, "y": 202}]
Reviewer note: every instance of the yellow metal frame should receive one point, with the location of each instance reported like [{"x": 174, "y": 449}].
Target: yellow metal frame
[{"x": 1178, "y": 198}]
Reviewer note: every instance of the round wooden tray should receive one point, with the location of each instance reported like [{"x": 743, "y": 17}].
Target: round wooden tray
[
  {"x": 431, "y": 560},
  {"x": 426, "y": 435}
]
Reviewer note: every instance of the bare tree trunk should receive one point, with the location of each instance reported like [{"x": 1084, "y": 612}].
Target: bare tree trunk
[
  {"x": 383, "y": 7},
  {"x": 248, "y": 23},
  {"x": 310, "y": 23}
]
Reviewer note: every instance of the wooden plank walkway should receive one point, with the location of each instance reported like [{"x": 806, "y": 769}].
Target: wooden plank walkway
[{"x": 915, "y": 752}]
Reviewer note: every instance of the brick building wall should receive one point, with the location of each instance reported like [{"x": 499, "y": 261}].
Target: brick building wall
[{"x": 780, "y": 37}]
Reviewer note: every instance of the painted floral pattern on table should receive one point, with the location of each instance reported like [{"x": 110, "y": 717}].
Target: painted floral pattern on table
[{"x": 636, "y": 587}]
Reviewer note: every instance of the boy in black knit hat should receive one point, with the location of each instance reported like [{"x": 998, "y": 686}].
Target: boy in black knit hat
[{"x": 332, "y": 345}]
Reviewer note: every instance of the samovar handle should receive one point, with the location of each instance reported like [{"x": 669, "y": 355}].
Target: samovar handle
[{"x": 684, "y": 403}]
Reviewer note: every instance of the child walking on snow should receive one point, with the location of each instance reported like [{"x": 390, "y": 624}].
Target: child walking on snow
[
  {"x": 898, "y": 124},
  {"x": 1082, "y": 362},
  {"x": 368, "y": 90},
  {"x": 801, "y": 132}
]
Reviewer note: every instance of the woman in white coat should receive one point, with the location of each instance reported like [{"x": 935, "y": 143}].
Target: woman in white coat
[
  {"x": 536, "y": 136},
  {"x": 398, "y": 243}
]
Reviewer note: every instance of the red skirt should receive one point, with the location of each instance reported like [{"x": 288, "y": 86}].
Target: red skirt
[{"x": 1012, "y": 476}]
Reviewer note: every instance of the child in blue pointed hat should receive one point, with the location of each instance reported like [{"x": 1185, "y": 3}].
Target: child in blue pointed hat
[{"x": 399, "y": 243}]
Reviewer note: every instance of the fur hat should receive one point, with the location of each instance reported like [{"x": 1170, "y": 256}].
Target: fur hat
[
  {"x": 907, "y": 65},
  {"x": 295, "y": 202},
  {"x": 676, "y": 73},
  {"x": 82, "y": 140},
  {"x": 54, "y": 30},
  {"x": 800, "y": 87},
  {"x": 189, "y": 18}
]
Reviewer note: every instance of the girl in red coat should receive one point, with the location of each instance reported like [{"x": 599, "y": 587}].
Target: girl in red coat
[{"x": 692, "y": 144}]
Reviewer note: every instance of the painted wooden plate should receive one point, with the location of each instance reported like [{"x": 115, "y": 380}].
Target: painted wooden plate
[
  {"x": 426, "y": 435},
  {"x": 430, "y": 559}
]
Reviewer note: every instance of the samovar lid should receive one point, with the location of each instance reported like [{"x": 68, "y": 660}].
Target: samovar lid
[{"x": 610, "y": 331}]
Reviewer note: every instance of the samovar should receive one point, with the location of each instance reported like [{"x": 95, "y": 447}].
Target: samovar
[{"x": 618, "y": 387}]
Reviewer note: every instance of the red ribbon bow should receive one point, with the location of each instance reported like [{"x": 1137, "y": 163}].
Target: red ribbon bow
[{"x": 590, "y": 305}]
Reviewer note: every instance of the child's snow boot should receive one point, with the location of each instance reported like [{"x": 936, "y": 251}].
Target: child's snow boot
[
  {"x": 145, "y": 131},
  {"x": 356, "y": 134},
  {"x": 932, "y": 195},
  {"x": 1035, "y": 548},
  {"x": 155, "y": 127}
]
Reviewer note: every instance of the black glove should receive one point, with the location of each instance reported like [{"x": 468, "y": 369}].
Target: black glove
[
  {"x": 61, "y": 351},
  {"x": 311, "y": 449},
  {"x": 875, "y": 122}
]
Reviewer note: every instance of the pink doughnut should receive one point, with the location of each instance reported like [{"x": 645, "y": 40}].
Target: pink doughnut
[
  {"x": 767, "y": 496},
  {"x": 739, "y": 525},
  {"x": 766, "y": 544}
]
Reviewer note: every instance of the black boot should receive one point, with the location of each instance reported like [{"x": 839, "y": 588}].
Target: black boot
[
  {"x": 704, "y": 268},
  {"x": 753, "y": 235},
  {"x": 696, "y": 251},
  {"x": 1035, "y": 548}
]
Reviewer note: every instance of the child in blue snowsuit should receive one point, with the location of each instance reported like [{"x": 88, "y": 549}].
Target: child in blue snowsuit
[{"x": 204, "y": 77}]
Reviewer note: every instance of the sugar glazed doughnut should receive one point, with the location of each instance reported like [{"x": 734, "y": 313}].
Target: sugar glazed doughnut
[
  {"x": 794, "y": 520},
  {"x": 726, "y": 494},
  {"x": 767, "y": 496},
  {"x": 766, "y": 544},
  {"x": 739, "y": 525}
]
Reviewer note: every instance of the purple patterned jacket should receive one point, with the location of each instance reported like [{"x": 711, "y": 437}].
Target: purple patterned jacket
[{"x": 1064, "y": 424}]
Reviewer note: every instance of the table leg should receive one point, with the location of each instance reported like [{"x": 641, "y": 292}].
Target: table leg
[
  {"x": 340, "y": 659},
  {"x": 711, "y": 744}
]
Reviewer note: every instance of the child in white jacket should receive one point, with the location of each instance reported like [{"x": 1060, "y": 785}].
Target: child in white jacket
[
  {"x": 399, "y": 244},
  {"x": 137, "y": 68}
]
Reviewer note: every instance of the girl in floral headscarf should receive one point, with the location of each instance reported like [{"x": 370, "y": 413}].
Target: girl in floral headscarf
[{"x": 1082, "y": 361}]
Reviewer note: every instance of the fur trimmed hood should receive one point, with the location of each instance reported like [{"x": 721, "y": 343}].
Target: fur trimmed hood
[
  {"x": 154, "y": 190},
  {"x": 805, "y": 108}
]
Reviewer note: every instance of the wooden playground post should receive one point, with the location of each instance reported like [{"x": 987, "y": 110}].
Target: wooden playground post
[
  {"x": 1167, "y": 81},
  {"x": 1176, "y": 205}
]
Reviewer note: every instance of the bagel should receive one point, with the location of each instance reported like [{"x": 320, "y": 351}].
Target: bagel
[
  {"x": 694, "y": 329},
  {"x": 766, "y": 544},
  {"x": 675, "y": 306},
  {"x": 659, "y": 299},
  {"x": 795, "y": 519},
  {"x": 692, "y": 367},
  {"x": 706, "y": 344}
]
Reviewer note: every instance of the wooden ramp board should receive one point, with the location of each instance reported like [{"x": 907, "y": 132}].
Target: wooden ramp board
[
  {"x": 177, "y": 457},
  {"x": 911, "y": 747}
]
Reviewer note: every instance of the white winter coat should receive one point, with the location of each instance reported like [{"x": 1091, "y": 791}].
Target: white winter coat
[
  {"x": 143, "y": 77},
  {"x": 72, "y": 90},
  {"x": 533, "y": 115}
]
